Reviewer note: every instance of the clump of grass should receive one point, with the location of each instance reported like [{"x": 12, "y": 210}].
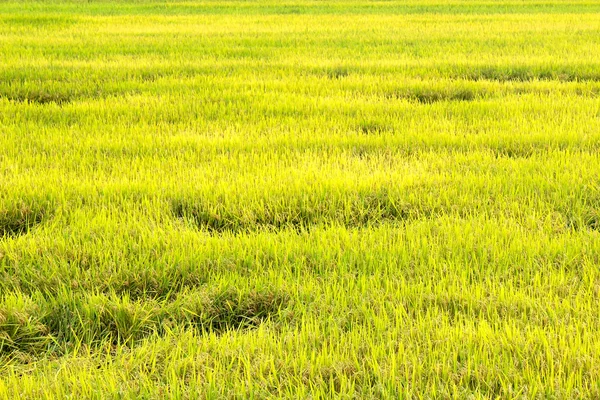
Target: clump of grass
[
  {"x": 515, "y": 152},
  {"x": 515, "y": 73},
  {"x": 592, "y": 218},
  {"x": 582, "y": 212},
  {"x": 506, "y": 74},
  {"x": 587, "y": 91},
  {"x": 20, "y": 329},
  {"x": 221, "y": 310},
  {"x": 431, "y": 93},
  {"x": 40, "y": 21},
  {"x": 150, "y": 283},
  {"x": 81, "y": 272},
  {"x": 20, "y": 219},
  {"x": 428, "y": 96},
  {"x": 586, "y": 218},
  {"x": 70, "y": 319},
  {"x": 39, "y": 96},
  {"x": 151, "y": 75},
  {"x": 74, "y": 319},
  {"x": 337, "y": 72},
  {"x": 369, "y": 127},
  {"x": 297, "y": 213}
]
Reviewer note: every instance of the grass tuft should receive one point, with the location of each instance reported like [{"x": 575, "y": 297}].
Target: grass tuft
[
  {"x": 372, "y": 128},
  {"x": 20, "y": 219},
  {"x": 433, "y": 96},
  {"x": 31, "y": 325},
  {"x": 337, "y": 72},
  {"x": 40, "y": 97},
  {"x": 231, "y": 309},
  {"x": 530, "y": 73},
  {"x": 357, "y": 209},
  {"x": 20, "y": 330},
  {"x": 429, "y": 94}
]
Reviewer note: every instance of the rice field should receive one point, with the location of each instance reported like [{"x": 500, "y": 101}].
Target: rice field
[{"x": 300, "y": 199}]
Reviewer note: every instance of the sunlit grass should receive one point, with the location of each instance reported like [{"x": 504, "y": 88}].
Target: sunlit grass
[{"x": 304, "y": 199}]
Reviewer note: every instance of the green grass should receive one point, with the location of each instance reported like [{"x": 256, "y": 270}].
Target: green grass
[{"x": 299, "y": 199}]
